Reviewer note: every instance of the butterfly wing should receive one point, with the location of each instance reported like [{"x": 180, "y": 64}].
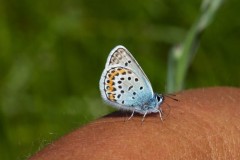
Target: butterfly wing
[
  {"x": 120, "y": 56},
  {"x": 123, "y": 83}
]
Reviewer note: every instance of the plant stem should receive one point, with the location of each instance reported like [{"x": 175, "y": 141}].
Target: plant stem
[{"x": 182, "y": 54}]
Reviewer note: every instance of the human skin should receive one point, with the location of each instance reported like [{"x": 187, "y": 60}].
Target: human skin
[{"x": 203, "y": 124}]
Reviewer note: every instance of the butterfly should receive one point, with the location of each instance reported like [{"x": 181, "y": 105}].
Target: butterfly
[{"x": 124, "y": 85}]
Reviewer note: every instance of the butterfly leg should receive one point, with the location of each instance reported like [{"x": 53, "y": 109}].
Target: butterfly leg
[
  {"x": 160, "y": 113},
  {"x": 131, "y": 115},
  {"x": 144, "y": 116}
]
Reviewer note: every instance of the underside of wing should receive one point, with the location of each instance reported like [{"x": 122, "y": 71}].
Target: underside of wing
[
  {"x": 123, "y": 88},
  {"x": 120, "y": 56}
]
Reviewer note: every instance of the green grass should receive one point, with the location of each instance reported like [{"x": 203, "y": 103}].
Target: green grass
[{"x": 183, "y": 54}]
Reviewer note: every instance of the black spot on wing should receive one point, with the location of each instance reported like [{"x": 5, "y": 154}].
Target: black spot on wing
[
  {"x": 129, "y": 88},
  {"x": 119, "y": 95}
]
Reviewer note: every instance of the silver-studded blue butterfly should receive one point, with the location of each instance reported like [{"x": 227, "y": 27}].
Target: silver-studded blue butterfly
[{"x": 124, "y": 85}]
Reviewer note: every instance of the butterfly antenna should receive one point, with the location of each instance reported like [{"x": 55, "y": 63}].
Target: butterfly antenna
[
  {"x": 168, "y": 107},
  {"x": 170, "y": 96}
]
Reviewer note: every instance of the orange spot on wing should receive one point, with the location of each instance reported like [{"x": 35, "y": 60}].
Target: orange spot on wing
[
  {"x": 110, "y": 84},
  {"x": 123, "y": 71},
  {"x": 111, "y": 77},
  {"x": 111, "y": 97}
]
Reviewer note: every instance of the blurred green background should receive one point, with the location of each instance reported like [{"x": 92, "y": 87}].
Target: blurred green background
[{"x": 52, "y": 54}]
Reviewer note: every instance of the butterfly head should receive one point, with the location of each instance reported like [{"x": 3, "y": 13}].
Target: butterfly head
[{"x": 158, "y": 99}]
